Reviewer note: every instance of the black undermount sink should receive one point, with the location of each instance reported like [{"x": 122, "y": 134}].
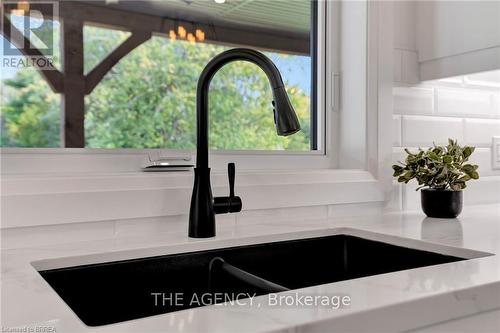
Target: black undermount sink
[{"x": 112, "y": 292}]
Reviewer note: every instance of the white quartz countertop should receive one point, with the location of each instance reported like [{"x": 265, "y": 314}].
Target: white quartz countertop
[{"x": 382, "y": 303}]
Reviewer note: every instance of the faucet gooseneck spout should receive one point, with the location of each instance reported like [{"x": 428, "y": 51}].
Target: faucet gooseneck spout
[{"x": 203, "y": 205}]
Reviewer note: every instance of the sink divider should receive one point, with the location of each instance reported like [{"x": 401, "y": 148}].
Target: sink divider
[{"x": 250, "y": 279}]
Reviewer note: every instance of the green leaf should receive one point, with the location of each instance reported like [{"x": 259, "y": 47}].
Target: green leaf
[
  {"x": 408, "y": 175},
  {"x": 438, "y": 150},
  {"x": 433, "y": 156},
  {"x": 467, "y": 168},
  {"x": 398, "y": 170},
  {"x": 468, "y": 151},
  {"x": 465, "y": 178}
]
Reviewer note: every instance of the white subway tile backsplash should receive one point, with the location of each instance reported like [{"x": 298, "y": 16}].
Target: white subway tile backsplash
[
  {"x": 56, "y": 234},
  {"x": 280, "y": 215},
  {"x": 398, "y": 155},
  {"x": 396, "y": 131},
  {"x": 485, "y": 190},
  {"x": 355, "y": 209},
  {"x": 482, "y": 157},
  {"x": 464, "y": 102},
  {"x": 163, "y": 224},
  {"x": 479, "y": 132},
  {"x": 413, "y": 100},
  {"x": 452, "y": 108},
  {"x": 411, "y": 197},
  {"x": 396, "y": 200},
  {"x": 419, "y": 131},
  {"x": 151, "y": 226}
]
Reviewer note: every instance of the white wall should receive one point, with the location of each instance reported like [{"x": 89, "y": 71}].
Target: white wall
[{"x": 464, "y": 108}]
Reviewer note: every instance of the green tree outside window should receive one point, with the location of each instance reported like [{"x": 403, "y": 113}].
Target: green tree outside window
[{"x": 148, "y": 100}]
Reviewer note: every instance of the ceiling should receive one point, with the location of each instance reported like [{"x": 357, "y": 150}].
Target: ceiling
[{"x": 287, "y": 16}]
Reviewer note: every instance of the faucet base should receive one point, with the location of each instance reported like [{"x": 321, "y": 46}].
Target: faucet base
[{"x": 201, "y": 213}]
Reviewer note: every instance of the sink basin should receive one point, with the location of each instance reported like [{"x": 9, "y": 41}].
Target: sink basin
[{"x": 117, "y": 291}]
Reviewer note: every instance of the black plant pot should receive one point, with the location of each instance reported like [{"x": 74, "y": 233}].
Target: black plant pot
[{"x": 441, "y": 203}]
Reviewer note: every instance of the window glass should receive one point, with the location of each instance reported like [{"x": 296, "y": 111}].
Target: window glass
[
  {"x": 98, "y": 43},
  {"x": 30, "y": 110},
  {"x": 149, "y": 100}
]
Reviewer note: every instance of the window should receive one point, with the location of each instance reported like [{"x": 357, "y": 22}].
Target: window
[
  {"x": 30, "y": 114},
  {"x": 148, "y": 99}
]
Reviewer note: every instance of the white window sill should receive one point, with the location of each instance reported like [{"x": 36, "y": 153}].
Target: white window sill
[
  {"x": 41, "y": 199},
  {"x": 45, "y": 183}
]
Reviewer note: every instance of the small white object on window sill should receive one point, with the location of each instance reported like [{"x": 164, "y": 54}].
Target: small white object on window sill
[{"x": 162, "y": 164}]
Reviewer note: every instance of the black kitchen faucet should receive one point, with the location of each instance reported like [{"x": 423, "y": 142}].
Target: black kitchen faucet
[{"x": 203, "y": 205}]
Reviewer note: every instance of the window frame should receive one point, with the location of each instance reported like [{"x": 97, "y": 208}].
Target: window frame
[
  {"x": 320, "y": 158},
  {"x": 63, "y": 184}
]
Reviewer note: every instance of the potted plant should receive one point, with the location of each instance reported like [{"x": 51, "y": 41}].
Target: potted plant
[{"x": 441, "y": 173}]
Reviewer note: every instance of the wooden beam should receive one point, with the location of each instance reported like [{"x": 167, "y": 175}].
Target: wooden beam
[
  {"x": 214, "y": 33},
  {"x": 95, "y": 76},
  {"x": 53, "y": 77},
  {"x": 113, "y": 17},
  {"x": 263, "y": 41},
  {"x": 73, "y": 99}
]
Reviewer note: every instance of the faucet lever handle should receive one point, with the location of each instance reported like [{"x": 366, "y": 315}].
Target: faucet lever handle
[
  {"x": 232, "y": 203},
  {"x": 231, "y": 171}
]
